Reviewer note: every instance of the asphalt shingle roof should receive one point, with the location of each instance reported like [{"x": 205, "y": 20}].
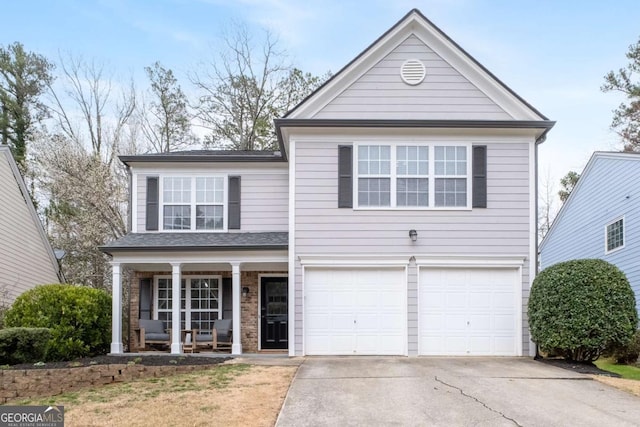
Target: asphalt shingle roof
[{"x": 197, "y": 241}]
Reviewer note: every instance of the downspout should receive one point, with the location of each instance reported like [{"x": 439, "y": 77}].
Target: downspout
[
  {"x": 129, "y": 228},
  {"x": 540, "y": 140}
]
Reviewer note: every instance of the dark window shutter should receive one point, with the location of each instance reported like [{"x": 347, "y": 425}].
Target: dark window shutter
[
  {"x": 345, "y": 176},
  {"x": 234, "y": 202},
  {"x": 479, "y": 172},
  {"x": 144, "y": 303},
  {"x": 152, "y": 203}
]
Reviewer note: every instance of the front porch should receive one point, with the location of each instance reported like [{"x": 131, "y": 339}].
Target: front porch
[{"x": 250, "y": 287}]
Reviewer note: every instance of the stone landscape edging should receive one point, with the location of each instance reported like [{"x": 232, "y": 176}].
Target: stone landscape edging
[{"x": 27, "y": 383}]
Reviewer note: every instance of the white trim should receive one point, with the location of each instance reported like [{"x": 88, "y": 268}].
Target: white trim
[
  {"x": 502, "y": 263},
  {"x": 470, "y": 261},
  {"x": 236, "y": 284},
  {"x": 134, "y": 201},
  {"x": 187, "y": 302},
  {"x": 533, "y": 225},
  {"x": 363, "y": 265},
  {"x": 204, "y": 257},
  {"x": 176, "y": 321},
  {"x": 431, "y": 176},
  {"x": 193, "y": 202},
  {"x": 291, "y": 254},
  {"x": 414, "y": 24},
  {"x": 354, "y": 261},
  {"x": 116, "y": 309},
  {"x": 209, "y": 167},
  {"x": 260, "y": 276},
  {"x": 606, "y": 235}
]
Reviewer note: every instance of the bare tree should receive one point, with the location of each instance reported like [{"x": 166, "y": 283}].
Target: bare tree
[
  {"x": 86, "y": 188},
  {"x": 87, "y": 206},
  {"x": 165, "y": 120},
  {"x": 546, "y": 206},
  {"x": 245, "y": 89},
  {"x": 88, "y": 89}
]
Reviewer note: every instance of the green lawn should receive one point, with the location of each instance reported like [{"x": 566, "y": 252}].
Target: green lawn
[{"x": 631, "y": 372}]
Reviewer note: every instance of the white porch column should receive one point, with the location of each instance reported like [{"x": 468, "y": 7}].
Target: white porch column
[
  {"x": 116, "y": 309},
  {"x": 236, "y": 347},
  {"x": 176, "y": 346}
]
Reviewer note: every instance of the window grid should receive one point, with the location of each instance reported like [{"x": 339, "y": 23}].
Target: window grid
[
  {"x": 374, "y": 169},
  {"x": 450, "y": 162},
  {"x": 193, "y": 203},
  {"x": 418, "y": 176},
  {"x": 201, "y": 295},
  {"x": 412, "y": 171},
  {"x": 615, "y": 235}
]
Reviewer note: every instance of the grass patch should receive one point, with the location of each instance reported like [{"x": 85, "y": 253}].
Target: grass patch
[
  {"x": 629, "y": 372},
  {"x": 218, "y": 377}
]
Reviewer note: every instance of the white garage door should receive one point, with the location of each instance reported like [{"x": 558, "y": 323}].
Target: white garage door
[
  {"x": 355, "y": 311},
  {"x": 469, "y": 311}
]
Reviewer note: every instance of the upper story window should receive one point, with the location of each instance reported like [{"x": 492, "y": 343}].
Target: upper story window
[
  {"x": 193, "y": 203},
  {"x": 416, "y": 176},
  {"x": 615, "y": 235}
]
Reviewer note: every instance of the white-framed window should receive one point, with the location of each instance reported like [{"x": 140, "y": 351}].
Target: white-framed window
[
  {"x": 200, "y": 301},
  {"x": 193, "y": 203},
  {"x": 413, "y": 176},
  {"x": 614, "y": 235}
]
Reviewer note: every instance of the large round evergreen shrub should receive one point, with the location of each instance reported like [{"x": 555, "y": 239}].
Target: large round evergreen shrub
[
  {"x": 580, "y": 308},
  {"x": 79, "y": 318}
]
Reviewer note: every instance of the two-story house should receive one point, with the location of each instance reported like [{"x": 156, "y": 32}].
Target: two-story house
[
  {"x": 600, "y": 219},
  {"x": 398, "y": 217}
]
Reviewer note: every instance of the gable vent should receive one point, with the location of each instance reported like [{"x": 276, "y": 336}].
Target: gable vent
[{"x": 412, "y": 72}]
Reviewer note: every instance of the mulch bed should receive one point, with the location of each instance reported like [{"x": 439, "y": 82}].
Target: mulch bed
[
  {"x": 145, "y": 360},
  {"x": 579, "y": 367}
]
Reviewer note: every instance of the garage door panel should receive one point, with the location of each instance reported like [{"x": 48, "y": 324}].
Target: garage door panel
[
  {"x": 480, "y": 300},
  {"x": 367, "y": 309},
  {"x": 468, "y": 311}
]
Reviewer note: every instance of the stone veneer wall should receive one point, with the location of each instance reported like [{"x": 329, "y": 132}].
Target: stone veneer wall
[
  {"x": 26, "y": 383},
  {"x": 249, "y": 305}
]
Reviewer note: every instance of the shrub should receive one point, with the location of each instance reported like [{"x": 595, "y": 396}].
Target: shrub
[
  {"x": 79, "y": 318},
  {"x": 580, "y": 308},
  {"x": 626, "y": 354},
  {"x": 23, "y": 345}
]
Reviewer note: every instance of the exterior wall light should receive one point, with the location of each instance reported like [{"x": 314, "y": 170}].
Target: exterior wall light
[
  {"x": 245, "y": 291},
  {"x": 413, "y": 235}
]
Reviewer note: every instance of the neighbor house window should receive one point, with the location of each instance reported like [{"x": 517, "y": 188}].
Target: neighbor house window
[
  {"x": 413, "y": 176},
  {"x": 193, "y": 203},
  {"x": 200, "y": 302},
  {"x": 615, "y": 235}
]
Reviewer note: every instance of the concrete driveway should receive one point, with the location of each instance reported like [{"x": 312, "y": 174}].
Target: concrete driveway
[{"x": 372, "y": 391}]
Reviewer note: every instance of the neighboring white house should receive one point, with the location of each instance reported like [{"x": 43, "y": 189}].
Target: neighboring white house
[
  {"x": 26, "y": 257},
  {"x": 397, "y": 218},
  {"x": 601, "y": 217}
]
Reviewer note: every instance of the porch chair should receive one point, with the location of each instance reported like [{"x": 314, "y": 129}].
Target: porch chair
[
  {"x": 152, "y": 332},
  {"x": 219, "y": 338}
]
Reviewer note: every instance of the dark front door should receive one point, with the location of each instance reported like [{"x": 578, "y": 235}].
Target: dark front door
[{"x": 274, "y": 309}]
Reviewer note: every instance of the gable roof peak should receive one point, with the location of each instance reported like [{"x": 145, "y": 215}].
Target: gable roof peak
[{"x": 416, "y": 23}]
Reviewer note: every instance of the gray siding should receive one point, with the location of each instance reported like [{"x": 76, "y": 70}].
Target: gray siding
[
  {"x": 606, "y": 192},
  {"x": 25, "y": 260},
  {"x": 323, "y": 229},
  {"x": 380, "y": 93},
  {"x": 264, "y": 200}
]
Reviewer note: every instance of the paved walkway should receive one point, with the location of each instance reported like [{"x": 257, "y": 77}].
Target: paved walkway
[{"x": 372, "y": 391}]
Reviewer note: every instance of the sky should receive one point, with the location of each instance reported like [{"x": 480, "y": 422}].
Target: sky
[{"x": 554, "y": 54}]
